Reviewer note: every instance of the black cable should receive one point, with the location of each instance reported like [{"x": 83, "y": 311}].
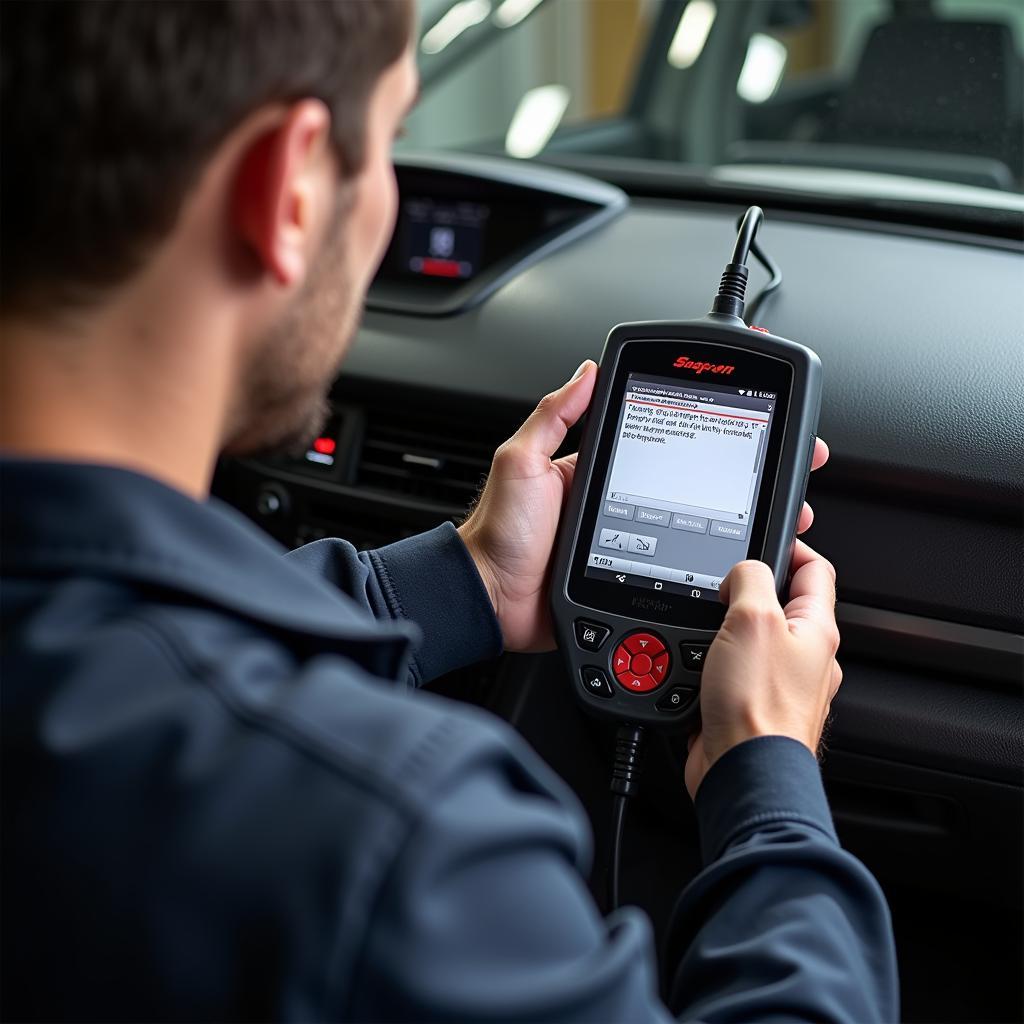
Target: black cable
[
  {"x": 625, "y": 782},
  {"x": 745, "y": 234},
  {"x": 730, "y": 300},
  {"x": 618, "y": 819},
  {"x": 771, "y": 286}
]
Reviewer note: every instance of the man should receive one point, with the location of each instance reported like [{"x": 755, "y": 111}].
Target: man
[{"x": 223, "y": 799}]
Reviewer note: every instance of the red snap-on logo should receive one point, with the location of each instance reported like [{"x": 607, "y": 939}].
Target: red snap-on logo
[{"x": 686, "y": 363}]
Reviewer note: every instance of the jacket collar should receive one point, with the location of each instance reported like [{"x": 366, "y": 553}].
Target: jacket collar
[{"x": 78, "y": 519}]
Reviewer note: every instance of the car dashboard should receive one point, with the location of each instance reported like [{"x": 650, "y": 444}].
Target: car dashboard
[{"x": 503, "y": 276}]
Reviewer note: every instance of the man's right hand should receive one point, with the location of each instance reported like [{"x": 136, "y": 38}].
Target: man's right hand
[{"x": 771, "y": 671}]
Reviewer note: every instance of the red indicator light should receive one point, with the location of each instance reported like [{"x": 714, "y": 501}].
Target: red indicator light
[
  {"x": 325, "y": 445},
  {"x": 763, "y": 330},
  {"x": 440, "y": 268}
]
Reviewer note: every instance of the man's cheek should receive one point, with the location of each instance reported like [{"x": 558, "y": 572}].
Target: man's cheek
[
  {"x": 388, "y": 192},
  {"x": 373, "y": 218}
]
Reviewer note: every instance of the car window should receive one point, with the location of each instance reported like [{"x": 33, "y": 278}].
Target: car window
[
  {"x": 860, "y": 92},
  {"x": 474, "y": 98}
]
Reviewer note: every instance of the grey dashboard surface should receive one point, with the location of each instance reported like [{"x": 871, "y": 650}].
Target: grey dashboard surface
[{"x": 921, "y": 344}]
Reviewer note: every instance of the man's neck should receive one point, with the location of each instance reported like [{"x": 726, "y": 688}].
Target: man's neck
[{"x": 110, "y": 390}]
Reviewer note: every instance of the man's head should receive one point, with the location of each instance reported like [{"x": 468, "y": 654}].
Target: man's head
[{"x": 239, "y": 149}]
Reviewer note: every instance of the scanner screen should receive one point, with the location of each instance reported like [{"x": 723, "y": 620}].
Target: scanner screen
[{"x": 682, "y": 485}]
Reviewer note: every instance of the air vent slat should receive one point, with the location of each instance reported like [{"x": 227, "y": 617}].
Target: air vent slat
[
  {"x": 419, "y": 448},
  {"x": 439, "y": 481},
  {"x": 429, "y": 457},
  {"x": 467, "y": 449}
]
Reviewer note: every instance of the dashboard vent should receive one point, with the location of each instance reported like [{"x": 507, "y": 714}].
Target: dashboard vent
[{"x": 425, "y": 457}]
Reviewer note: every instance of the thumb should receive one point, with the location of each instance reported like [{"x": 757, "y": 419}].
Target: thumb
[
  {"x": 750, "y": 587},
  {"x": 545, "y": 429}
]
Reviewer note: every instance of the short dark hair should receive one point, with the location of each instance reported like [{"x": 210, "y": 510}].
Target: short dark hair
[{"x": 110, "y": 108}]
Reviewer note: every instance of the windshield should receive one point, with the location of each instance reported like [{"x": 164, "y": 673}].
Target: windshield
[{"x": 913, "y": 99}]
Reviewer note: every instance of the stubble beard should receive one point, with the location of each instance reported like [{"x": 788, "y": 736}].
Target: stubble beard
[{"x": 283, "y": 402}]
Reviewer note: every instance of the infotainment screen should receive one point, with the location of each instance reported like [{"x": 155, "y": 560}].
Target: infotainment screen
[
  {"x": 683, "y": 481},
  {"x": 443, "y": 239}
]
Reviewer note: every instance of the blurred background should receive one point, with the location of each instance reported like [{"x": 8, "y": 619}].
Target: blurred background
[{"x": 847, "y": 95}]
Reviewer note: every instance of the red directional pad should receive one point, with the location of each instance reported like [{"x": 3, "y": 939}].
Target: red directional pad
[{"x": 640, "y": 663}]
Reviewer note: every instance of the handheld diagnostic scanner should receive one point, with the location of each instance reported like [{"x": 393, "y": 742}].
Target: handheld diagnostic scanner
[{"x": 695, "y": 456}]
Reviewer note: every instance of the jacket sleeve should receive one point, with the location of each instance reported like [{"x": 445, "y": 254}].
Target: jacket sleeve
[
  {"x": 429, "y": 579},
  {"x": 782, "y": 924}
]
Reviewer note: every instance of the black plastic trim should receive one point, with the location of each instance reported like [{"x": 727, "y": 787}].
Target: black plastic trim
[
  {"x": 936, "y": 644},
  {"x": 597, "y": 201}
]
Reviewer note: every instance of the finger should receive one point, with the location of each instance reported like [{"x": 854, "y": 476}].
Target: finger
[
  {"x": 749, "y": 589},
  {"x": 545, "y": 429},
  {"x": 821, "y": 454},
  {"x": 804, "y": 553},
  {"x": 806, "y": 519},
  {"x": 566, "y": 467},
  {"x": 812, "y": 591}
]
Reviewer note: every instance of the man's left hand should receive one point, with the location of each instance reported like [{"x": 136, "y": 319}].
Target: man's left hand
[{"x": 511, "y": 531}]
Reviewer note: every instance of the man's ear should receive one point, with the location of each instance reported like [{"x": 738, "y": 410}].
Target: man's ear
[{"x": 284, "y": 189}]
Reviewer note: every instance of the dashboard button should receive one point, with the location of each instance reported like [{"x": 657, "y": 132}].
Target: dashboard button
[
  {"x": 676, "y": 699},
  {"x": 595, "y": 682},
  {"x": 272, "y": 501},
  {"x": 693, "y": 656},
  {"x": 590, "y": 635},
  {"x": 659, "y": 666}
]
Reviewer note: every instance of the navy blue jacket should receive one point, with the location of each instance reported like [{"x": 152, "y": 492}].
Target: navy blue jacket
[{"x": 223, "y": 798}]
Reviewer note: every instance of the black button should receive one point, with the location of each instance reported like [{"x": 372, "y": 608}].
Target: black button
[
  {"x": 590, "y": 635},
  {"x": 677, "y": 699},
  {"x": 595, "y": 682},
  {"x": 693, "y": 656},
  {"x": 272, "y": 500}
]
